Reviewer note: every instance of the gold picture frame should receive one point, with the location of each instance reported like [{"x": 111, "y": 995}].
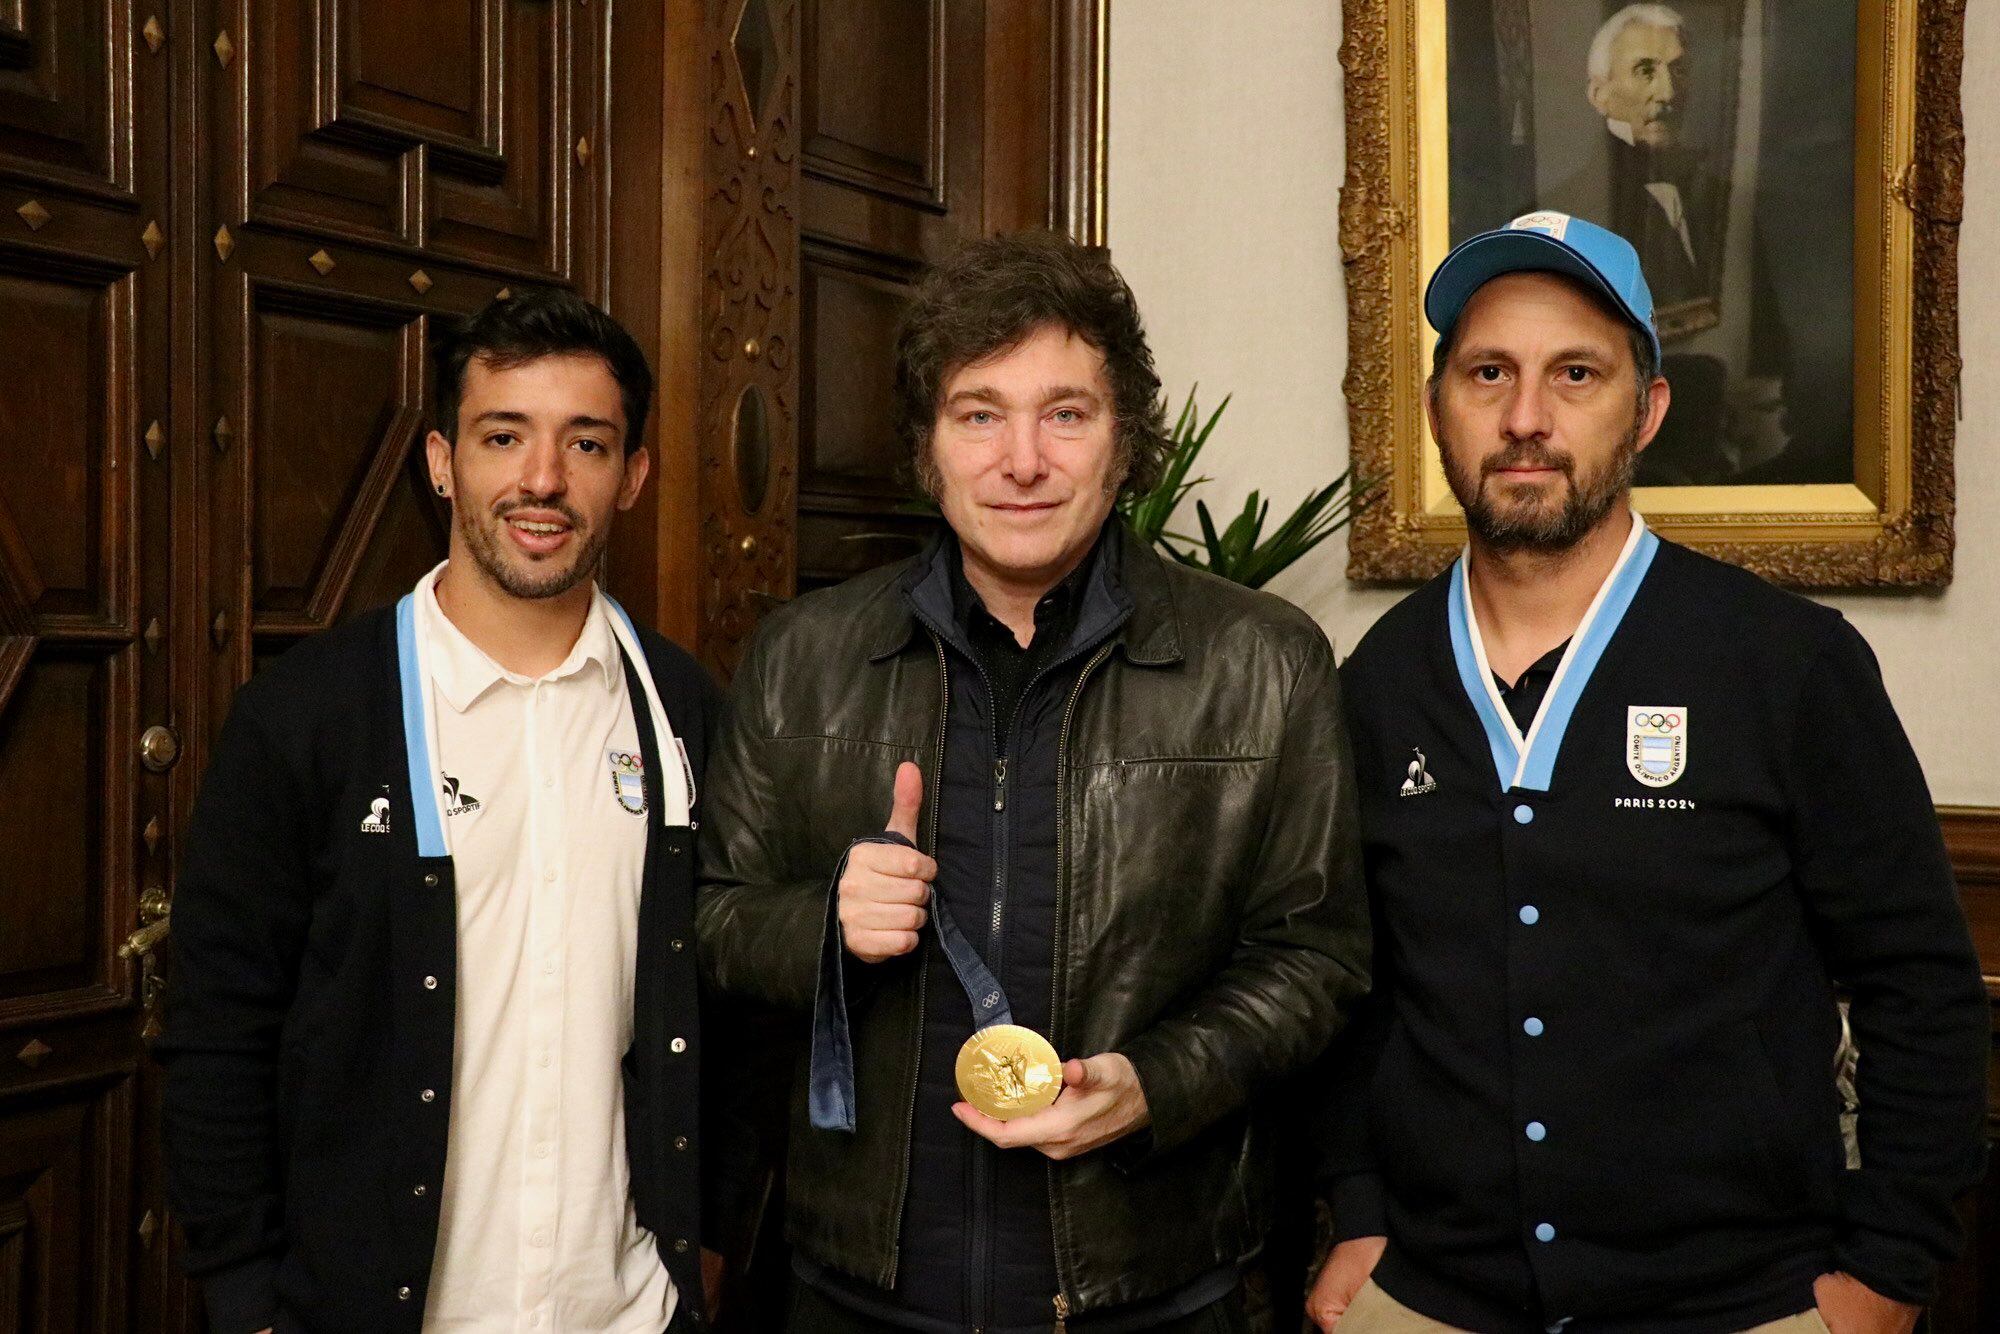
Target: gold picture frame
[{"x": 1891, "y": 526}]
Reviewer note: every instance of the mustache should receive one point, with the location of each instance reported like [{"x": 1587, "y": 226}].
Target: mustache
[
  {"x": 554, "y": 504},
  {"x": 1529, "y": 454}
]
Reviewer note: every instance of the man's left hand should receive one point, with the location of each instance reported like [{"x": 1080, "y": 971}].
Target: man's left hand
[
  {"x": 1101, "y": 1101},
  {"x": 1850, "y": 1306}
]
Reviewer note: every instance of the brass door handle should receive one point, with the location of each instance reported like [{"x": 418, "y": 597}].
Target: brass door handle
[
  {"x": 155, "y": 904},
  {"x": 141, "y": 943}
]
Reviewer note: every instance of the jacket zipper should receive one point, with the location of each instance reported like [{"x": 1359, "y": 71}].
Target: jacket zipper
[
  {"x": 1056, "y": 973},
  {"x": 985, "y": 1163},
  {"x": 976, "y": 1276},
  {"x": 923, "y": 962}
]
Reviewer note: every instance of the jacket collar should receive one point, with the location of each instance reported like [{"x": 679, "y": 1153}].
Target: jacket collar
[{"x": 1135, "y": 574}]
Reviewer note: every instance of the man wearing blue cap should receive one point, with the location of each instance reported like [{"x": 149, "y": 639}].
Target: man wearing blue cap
[{"x": 1630, "y": 816}]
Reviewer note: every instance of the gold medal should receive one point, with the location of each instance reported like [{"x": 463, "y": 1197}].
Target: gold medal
[{"x": 1006, "y": 1071}]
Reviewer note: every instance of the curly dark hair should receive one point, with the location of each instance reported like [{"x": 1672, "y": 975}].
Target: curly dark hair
[
  {"x": 995, "y": 293},
  {"x": 536, "y": 323}
]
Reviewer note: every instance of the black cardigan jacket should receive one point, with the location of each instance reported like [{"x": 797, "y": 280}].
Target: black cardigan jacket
[
  {"x": 1595, "y": 1082},
  {"x": 308, "y": 1056}
]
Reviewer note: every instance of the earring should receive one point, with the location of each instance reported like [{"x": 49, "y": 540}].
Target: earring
[{"x": 440, "y": 487}]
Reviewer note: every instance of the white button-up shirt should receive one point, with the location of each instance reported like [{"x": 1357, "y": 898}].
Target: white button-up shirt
[{"x": 545, "y": 812}]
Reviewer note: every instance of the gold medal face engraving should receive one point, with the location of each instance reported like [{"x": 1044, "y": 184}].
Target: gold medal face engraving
[{"x": 1006, "y": 1071}]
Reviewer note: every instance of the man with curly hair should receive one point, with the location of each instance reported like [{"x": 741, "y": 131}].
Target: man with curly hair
[{"x": 1119, "y": 822}]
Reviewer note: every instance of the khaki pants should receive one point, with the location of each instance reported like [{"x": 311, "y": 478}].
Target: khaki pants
[{"x": 1374, "y": 1311}]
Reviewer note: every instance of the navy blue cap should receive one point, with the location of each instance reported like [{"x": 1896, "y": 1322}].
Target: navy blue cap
[{"x": 1543, "y": 242}]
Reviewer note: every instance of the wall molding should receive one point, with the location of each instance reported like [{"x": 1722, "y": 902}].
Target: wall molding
[
  {"x": 1972, "y": 838},
  {"x": 1972, "y": 835}
]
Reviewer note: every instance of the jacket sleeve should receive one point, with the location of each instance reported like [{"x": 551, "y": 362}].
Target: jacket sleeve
[
  {"x": 1336, "y": 1117},
  {"x": 1871, "y": 865},
  {"x": 746, "y": 1064},
  {"x": 241, "y": 911},
  {"x": 757, "y": 923},
  {"x": 1302, "y": 950},
  {"x": 1339, "y": 1088}
]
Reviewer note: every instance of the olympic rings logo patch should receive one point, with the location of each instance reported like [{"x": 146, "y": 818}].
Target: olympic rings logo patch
[{"x": 1656, "y": 743}]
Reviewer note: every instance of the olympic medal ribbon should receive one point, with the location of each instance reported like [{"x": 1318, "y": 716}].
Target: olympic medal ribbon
[{"x": 830, "y": 1069}]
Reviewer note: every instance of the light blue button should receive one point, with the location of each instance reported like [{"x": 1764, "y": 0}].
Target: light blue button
[
  {"x": 1530, "y": 914},
  {"x": 1524, "y": 814},
  {"x": 1537, "y": 1131},
  {"x": 1532, "y": 1026},
  {"x": 1545, "y": 1232}
]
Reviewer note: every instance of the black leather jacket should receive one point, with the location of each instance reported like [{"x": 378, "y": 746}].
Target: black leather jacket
[{"x": 1211, "y": 921}]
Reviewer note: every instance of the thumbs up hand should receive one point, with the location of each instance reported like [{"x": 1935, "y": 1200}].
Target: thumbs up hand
[{"x": 885, "y": 888}]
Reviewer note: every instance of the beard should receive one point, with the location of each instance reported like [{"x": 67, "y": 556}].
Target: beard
[
  {"x": 1512, "y": 517},
  {"x": 544, "y": 577}
]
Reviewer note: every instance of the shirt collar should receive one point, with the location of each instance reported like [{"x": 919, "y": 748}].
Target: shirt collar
[
  {"x": 1622, "y": 129},
  {"x": 1054, "y": 606},
  {"x": 1545, "y": 667},
  {"x": 462, "y": 671}
]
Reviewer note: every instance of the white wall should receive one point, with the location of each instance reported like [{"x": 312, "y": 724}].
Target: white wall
[{"x": 1226, "y": 158}]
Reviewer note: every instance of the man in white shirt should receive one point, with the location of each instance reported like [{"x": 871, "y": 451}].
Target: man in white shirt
[{"x": 431, "y": 1063}]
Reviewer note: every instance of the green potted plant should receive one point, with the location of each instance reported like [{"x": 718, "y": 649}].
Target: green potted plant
[{"x": 1240, "y": 552}]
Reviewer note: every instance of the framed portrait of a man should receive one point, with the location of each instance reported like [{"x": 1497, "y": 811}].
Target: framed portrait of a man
[{"x": 1793, "y": 204}]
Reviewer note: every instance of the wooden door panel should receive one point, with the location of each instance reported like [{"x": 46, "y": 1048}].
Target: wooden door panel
[
  {"x": 410, "y": 536},
  {"x": 417, "y": 71},
  {"x": 329, "y": 390},
  {"x": 67, "y": 897},
  {"x": 49, "y": 896},
  {"x": 446, "y": 128},
  {"x": 63, "y": 96},
  {"x": 334, "y": 412},
  {"x": 872, "y": 97},
  {"x": 849, "y": 308},
  {"x": 517, "y": 212},
  {"x": 68, "y": 416},
  {"x": 65, "y": 1170},
  {"x": 62, "y": 510},
  {"x": 68, "y": 674}
]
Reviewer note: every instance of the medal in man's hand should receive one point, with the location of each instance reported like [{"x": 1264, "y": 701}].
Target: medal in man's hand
[{"x": 1006, "y": 1071}]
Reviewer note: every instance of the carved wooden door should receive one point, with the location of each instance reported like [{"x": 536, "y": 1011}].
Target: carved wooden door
[
  {"x": 231, "y": 230},
  {"x": 87, "y": 662},
  {"x": 853, "y": 142}
]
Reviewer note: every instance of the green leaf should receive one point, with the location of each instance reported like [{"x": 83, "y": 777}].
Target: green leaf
[{"x": 1241, "y": 552}]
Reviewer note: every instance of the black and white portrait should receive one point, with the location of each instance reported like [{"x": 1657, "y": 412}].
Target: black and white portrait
[{"x": 1717, "y": 137}]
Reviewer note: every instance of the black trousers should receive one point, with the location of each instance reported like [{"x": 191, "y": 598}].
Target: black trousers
[{"x": 812, "y": 1313}]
